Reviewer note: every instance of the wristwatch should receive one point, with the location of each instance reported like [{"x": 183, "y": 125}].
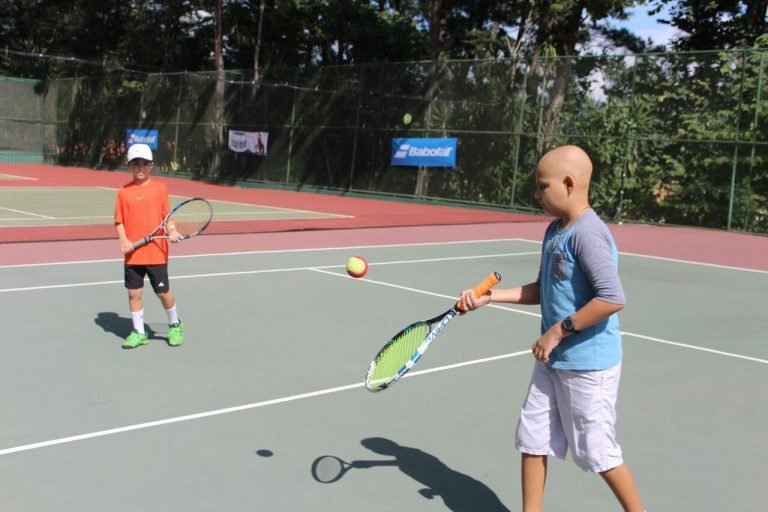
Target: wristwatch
[{"x": 569, "y": 325}]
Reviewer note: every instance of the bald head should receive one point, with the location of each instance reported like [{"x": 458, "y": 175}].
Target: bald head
[
  {"x": 568, "y": 160},
  {"x": 568, "y": 169}
]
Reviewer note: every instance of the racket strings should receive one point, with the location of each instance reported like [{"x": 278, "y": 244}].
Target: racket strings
[
  {"x": 328, "y": 469},
  {"x": 192, "y": 217},
  {"x": 397, "y": 353}
]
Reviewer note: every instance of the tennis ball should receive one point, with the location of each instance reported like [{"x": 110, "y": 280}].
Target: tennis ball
[
  {"x": 407, "y": 118},
  {"x": 357, "y": 266}
]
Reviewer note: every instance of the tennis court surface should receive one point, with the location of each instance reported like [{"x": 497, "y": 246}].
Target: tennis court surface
[{"x": 278, "y": 339}]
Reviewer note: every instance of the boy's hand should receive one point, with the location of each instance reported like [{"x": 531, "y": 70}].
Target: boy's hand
[
  {"x": 472, "y": 303},
  {"x": 126, "y": 246},
  {"x": 546, "y": 344},
  {"x": 174, "y": 236}
]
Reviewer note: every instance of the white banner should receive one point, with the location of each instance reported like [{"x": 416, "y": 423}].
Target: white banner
[{"x": 248, "y": 142}]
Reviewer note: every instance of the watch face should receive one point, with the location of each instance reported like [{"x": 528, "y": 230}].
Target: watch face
[{"x": 569, "y": 325}]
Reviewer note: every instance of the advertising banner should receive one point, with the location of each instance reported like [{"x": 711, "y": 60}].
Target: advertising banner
[
  {"x": 248, "y": 142},
  {"x": 148, "y": 137},
  {"x": 424, "y": 152}
]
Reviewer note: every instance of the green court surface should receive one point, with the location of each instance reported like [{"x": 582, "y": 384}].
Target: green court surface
[
  {"x": 59, "y": 206},
  {"x": 270, "y": 379},
  {"x": 20, "y": 157}
]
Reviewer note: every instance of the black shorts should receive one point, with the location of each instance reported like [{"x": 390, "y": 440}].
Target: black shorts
[{"x": 158, "y": 277}]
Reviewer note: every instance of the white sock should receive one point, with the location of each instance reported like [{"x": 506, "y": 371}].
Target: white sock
[
  {"x": 173, "y": 316},
  {"x": 137, "y": 317}
]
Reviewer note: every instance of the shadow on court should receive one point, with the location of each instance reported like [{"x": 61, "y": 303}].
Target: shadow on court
[
  {"x": 459, "y": 492},
  {"x": 121, "y": 326}
]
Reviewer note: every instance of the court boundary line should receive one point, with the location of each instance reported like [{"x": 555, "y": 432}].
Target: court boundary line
[
  {"x": 273, "y": 251},
  {"x": 538, "y": 315},
  {"x": 31, "y": 214},
  {"x": 254, "y": 405},
  {"x": 239, "y": 408},
  {"x": 262, "y": 271},
  {"x": 269, "y": 251},
  {"x": 674, "y": 260},
  {"x": 322, "y": 269},
  {"x": 14, "y": 177},
  {"x": 274, "y": 210},
  {"x": 421, "y": 244}
]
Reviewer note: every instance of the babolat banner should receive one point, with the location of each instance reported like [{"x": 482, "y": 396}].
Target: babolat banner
[
  {"x": 424, "y": 152},
  {"x": 148, "y": 137}
]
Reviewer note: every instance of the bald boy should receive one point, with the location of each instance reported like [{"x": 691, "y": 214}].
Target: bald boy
[{"x": 571, "y": 399}]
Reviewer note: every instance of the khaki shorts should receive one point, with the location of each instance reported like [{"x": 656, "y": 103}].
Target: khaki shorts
[{"x": 576, "y": 409}]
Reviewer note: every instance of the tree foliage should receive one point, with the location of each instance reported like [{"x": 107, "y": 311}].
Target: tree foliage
[{"x": 672, "y": 138}]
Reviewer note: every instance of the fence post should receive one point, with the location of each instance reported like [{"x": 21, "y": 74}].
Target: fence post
[
  {"x": 519, "y": 130},
  {"x": 290, "y": 140},
  {"x": 357, "y": 129},
  {"x": 629, "y": 143},
  {"x": 755, "y": 120},
  {"x": 178, "y": 119},
  {"x": 736, "y": 141}
]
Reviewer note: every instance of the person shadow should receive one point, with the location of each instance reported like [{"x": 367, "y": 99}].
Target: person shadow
[
  {"x": 120, "y": 326},
  {"x": 459, "y": 492}
]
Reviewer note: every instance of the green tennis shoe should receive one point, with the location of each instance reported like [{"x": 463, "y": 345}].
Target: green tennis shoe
[
  {"x": 176, "y": 334},
  {"x": 135, "y": 339}
]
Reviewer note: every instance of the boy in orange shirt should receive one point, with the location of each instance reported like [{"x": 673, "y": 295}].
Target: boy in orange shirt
[{"x": 141, "y": 206}]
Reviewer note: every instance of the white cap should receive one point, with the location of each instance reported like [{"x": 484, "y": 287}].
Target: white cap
[{"x": 139, "y": 151}]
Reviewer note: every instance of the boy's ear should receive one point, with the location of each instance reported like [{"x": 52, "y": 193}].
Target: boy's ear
[{"x": 568, "y": 181}]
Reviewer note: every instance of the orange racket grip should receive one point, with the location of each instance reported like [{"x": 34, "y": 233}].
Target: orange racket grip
[{"x": 489, "y": 282}]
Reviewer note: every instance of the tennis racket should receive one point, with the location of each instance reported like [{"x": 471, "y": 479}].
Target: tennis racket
[
  {"x": 405, "y": 349},
  {"x": 190, "y": 218},
  {"x": 327, "y": 469}
]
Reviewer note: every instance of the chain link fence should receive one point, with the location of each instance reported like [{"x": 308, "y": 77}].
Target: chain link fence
[{"x": 676, "y": 138}]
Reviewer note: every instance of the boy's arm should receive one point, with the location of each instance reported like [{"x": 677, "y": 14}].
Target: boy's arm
[
  {"x": 170, "y": 228},
  {"x": 593, "y": 253},
  {"x": 593, "y": 312},
  {"x": 525, "y": 294},
  {"x": 125, "y": 245}
]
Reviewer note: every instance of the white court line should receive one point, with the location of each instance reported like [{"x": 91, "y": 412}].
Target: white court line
[
  {"x": 673, "y": 260},
  {"x": 323, "y": 269},
  {"x": 271, "y": 251},
  {"x": 253, "y": 272},
  {"x": 344, "y": 248},
  {"x": 27, "y": 213},
  {"x": 531, "y": 313},
  {"x": 256, "y": 216},
  {"x": 291, "y": 398},
  {"x": 239, "y": 408},
  {"x": 15, "y": 177}
]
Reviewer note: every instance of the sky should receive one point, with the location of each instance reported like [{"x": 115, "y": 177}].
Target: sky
[{"x": 645, "y": 26}]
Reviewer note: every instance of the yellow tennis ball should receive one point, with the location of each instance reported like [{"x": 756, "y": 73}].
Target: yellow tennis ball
[
  {"x": 357, "y": 266},
  {"x": 407, "y": 118}
]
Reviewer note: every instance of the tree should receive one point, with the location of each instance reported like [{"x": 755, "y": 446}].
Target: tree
[
  {"x": 708, "y": 25},
  {"x": 560, "y": 25}
]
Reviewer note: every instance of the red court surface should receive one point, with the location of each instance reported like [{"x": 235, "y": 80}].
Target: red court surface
[
  {"x": 689, "y": 244},
  {"x": 352, "y": 212}
]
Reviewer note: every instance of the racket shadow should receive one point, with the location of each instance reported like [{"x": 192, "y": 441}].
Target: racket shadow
[{"x": 459, "y": 492}]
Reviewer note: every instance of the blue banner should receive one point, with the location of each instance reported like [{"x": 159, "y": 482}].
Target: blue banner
[
  {"x": 148, "y": 137},
  {"x": 424, "y": 152}
]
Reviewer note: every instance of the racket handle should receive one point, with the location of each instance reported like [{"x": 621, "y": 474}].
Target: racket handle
[
  {"x": 143, "y": 241},
  {"x": 489, "y": 282}
]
